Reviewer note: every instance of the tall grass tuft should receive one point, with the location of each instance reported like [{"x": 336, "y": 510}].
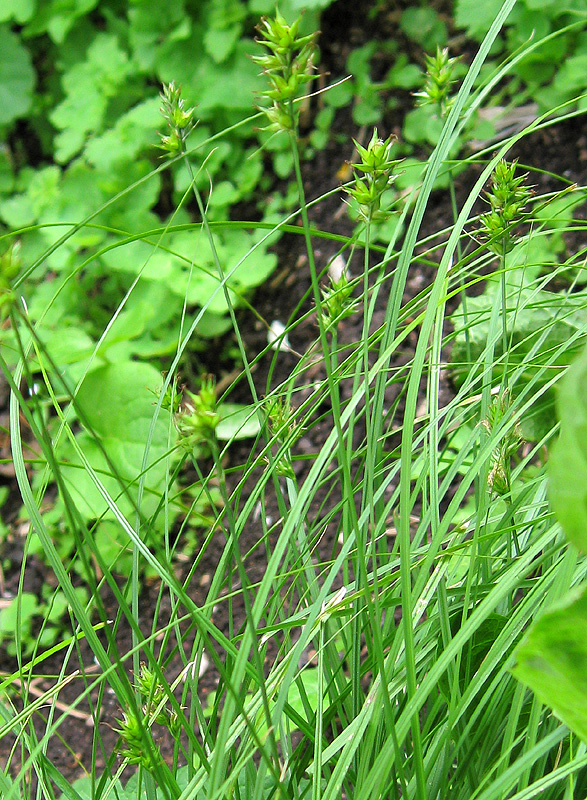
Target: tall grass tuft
[{"x": 407, "y": 554}]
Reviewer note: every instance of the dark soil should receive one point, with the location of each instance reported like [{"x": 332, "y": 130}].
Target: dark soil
[{"x": 346, "y": 25}]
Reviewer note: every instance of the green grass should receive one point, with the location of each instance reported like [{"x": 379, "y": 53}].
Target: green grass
[{"x": 434, "y": 575}]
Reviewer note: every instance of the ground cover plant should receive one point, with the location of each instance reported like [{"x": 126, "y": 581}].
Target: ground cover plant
[{"x": 416, "y": 626}]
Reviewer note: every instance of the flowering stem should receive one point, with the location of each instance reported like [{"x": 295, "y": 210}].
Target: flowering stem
[{"x": 504, "y": 321}]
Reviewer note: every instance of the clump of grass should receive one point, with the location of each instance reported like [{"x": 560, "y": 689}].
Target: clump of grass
[{"x": 432, "y": 575}]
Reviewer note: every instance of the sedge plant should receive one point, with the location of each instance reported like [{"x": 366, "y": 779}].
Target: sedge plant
[{"x": 372, "y": 654}]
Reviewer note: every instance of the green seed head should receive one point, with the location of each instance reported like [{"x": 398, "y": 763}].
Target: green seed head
[
  {"x": 507, "y": 198},
  {"x": 377, "y": 167},
  {"x": 439, "y": 78},
  {"x": 199, "y": 419},
  {"x": 287, "y": 65},
  {"x": 179, "y": 119}
]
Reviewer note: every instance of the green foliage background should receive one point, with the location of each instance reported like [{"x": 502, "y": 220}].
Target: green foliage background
[
  {"x": 80, "y": 111},
  {"x": 115, "y": 271},
  {"x": 114, "y": 266}
]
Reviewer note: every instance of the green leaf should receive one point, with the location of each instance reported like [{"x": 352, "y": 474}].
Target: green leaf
[
  {"x": 423, "y": 25},
  {"x": 17, "y": 77},
  {"x": 17, "y": 211},
  {"x": 117, "y": 401},
  {"x": 231, "y": 85},
  {"x": 140, "y": 257},
  {"x": 567, "y": 465},
  {"x": 190, "y": 269},
  {"x": 369, "y": 106},
  {"x": 88, "y": 85},
  {"x": 131, "y": 213},
  {"x": 153, "y": 25},
  {"x": 57, "y": 17},
  {"x": 570, "y": 76},
  {"x": 552, "y": 661},
  {"x": 132, "y": 133},
  {"x": 6, "y": 174},
  {"x": 21, "y": 610},
  {"x": 85, "y": 788},
  {"x": 340, "y": 95},
  {"x": 476, "y": 16},
  {"x": 404, "y": 75},
  {"x": 212, "y": 325},
  {"x": 114, "y": 546},
  {"x": 558, "y": 216},
  {"x": 219, "y": 44},
  {"x": 69, "y": 346},
  {"x": 359, "y": 62},
  {"x": 42, "y": 193},
  {"x": 309, "y": 679},
  {"x": 237, "y": 422},
  {"x": 533, "y": 5},
  {"x": 18, "y": 10},
  {"x": 307, "y": 5},
  {"x": 56, "y": 607},
  {"x": 148, "y": 325},
  {"x": 223, "y": 194},
  {"x": 6, "y": 782},
  {"x": 82, "y": 192},
  {"x": 422, "y": 125}
]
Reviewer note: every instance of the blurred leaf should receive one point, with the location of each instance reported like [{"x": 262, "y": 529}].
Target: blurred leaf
[
  {"x": 88, "y": 85},
  {"x": 423, "y": 125},
  {"x": 18, "y": 10},
  {"x": 219, "y": 44},
  {"x": 404, "y": 75},
  {"x": 340, "y": 95},
  {"x": 237, "y": 422},
  {"x": 85, "y": 788},
  {"x": 232, "y": 85},
  {"x": 42, "y": 192},
  {"x": 57, "y": 17},
  {"x": 17, "y": 77},
  {"x": 552, "y": 661},
  {"x": 132, "y": 133},
  {"x": 6, "y": 172},
  {"x": 20, "y": 611},
  {"x": 152, "y": 25},
  {"x": 227, "y": 87},
  {"x": 476, "y": 16},
  {"x": 533, "y": 5},
  {"x": 567, "y": 465},
  {"x": 423, "y": 25},
  {"x": 558, "y": 214},
  {"x": 70, "y": 347}
]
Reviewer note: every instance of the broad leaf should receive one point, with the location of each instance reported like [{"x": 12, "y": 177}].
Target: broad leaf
[
  {"x": 88, "y": 86},
  {"x": 552, "y": 660},
  {"x": 57, "y": 17},
  {"x": 117, "y": 403},
  {"x": 133, "y": 132},
  {"x": 476, "y": 16},
  {"x": 237, "y": 422},
  {"x": 568, "y": 461},
  {"x": 19, "y": 10},
  {"x": 17, "y": 77}
]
